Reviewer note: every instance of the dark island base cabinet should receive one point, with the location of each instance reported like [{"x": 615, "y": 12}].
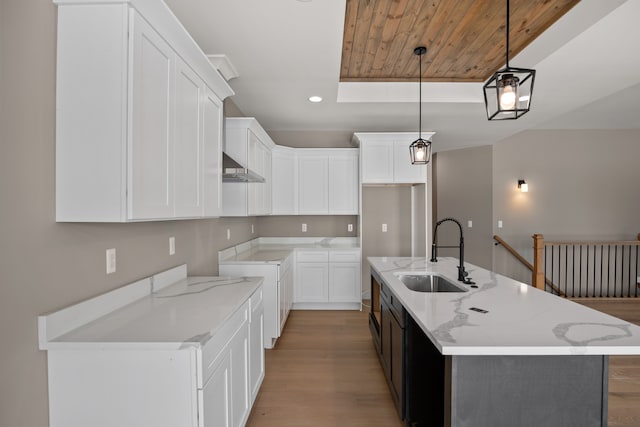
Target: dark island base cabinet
[{"x": 431, "y": 389}]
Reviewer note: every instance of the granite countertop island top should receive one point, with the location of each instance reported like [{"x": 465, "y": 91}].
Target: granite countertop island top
[{"x": 503, "y": 316}]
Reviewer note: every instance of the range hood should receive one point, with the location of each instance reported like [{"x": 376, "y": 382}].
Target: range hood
[{"x": 233, "y": 171}]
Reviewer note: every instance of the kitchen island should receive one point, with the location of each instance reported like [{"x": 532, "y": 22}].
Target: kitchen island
[{"x": 498, "y": 354}]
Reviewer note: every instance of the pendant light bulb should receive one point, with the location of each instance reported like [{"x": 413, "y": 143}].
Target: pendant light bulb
[
  {"x": 420, "y": 154},
  {"x": 508, "y": 92}
]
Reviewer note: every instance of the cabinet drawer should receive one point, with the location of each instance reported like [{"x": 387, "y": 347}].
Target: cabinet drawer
[
  {"x": 213, "y": 349},
  {"x": 312, "y": 256},
  {"x": 344, "y": 256}
]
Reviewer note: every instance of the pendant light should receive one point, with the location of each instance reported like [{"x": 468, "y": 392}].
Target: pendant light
[
  {"x": 420, "y": 149},
  {"x": 507, "y": 94}
]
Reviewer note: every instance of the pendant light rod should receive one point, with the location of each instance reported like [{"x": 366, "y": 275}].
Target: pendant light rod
[
  {"x": 420, "y": 51},
  {"x": 507, "y": 55},
  {"x": 420, "y": 149}
]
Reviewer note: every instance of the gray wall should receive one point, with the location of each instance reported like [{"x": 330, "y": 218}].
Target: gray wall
[
  {"x": 583, "y": 184},
  {"x": 389, "y": 205},
  {"x": 464, "y": 191},
  {"x": 317, "y": 226}
]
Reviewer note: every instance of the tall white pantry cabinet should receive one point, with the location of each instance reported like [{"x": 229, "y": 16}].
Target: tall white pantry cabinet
[{"x": 138, "y": 115}]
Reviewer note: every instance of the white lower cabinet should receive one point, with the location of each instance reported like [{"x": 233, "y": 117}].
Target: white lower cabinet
[
  {"x": 216, "y": 394},
  {"x": 277, "y": 287},
  {"x": 327, "y": 279},
  {"x": 312, "y": 282},
  {"x": 139, "y": 384}
]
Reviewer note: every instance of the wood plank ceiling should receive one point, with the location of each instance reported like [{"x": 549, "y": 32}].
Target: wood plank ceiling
[{"x": 465, "y": 39}]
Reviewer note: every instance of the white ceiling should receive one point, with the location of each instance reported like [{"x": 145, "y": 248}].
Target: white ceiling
[{"x": 588, "y": 72}]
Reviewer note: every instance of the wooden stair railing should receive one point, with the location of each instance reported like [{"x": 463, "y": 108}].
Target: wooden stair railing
[
  {"x": 538, "y": 283},
  {"x": 538, "y": 273}
]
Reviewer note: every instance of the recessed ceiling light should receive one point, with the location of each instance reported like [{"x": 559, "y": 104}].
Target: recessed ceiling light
[{"x": 315, "y": 98}]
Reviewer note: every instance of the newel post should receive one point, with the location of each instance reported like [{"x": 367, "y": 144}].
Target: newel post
[{"x": 537, "y": 279}]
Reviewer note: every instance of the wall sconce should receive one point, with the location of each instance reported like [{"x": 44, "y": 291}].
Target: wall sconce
[{"x": 523, "y": 186}]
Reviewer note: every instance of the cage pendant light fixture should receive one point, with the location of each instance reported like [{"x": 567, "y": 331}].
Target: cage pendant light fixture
[
  {"x": 420, "y": 149},
  {"x": 507, "y": 94}
]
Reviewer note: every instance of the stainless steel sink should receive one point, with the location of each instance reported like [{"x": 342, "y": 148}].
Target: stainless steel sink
[{"x": 428, "y": 283}]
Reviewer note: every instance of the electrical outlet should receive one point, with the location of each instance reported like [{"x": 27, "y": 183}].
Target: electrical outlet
[
  {"x": 228, "y": 234},
  {"x": 470, "y": 224},
  {"x": 304, "y": 228},
  {"x": 350, "y": 228},
  {"x": 384, "y": 228},
  {"x": 111, "y": 261},
  {"x": 172, "y": 245}
]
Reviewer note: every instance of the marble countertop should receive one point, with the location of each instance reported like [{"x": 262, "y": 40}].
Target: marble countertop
[
  {"x": 274, "y": 250},
  {"x": 519, "y": 319},
  {"x": 186, "y": 313}
]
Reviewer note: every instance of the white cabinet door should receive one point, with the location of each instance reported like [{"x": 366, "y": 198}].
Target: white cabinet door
[
  {"x": 256, "y": 347},
  {"x": 187, "y": 142},
  {"x": 312, "y": 282},
  {"x": 212, "y": 154},
  {"x": 344, "y": 282},
  {"x": 377, "y": 162},
  {"x": 216, "y": 396},
  {"x": 283, "y": 175},
  {"x": 313, "y": 188},
  {"x": 343, "y": 184},
  {"x": 151, "y": 151},
  {"x": 259, "y": 162},
  {"x": 239, "y": 356},
  {"x": 403, "y": 170}
]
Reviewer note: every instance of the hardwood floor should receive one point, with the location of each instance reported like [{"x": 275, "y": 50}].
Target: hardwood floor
[{"x": 324, "y": 372}]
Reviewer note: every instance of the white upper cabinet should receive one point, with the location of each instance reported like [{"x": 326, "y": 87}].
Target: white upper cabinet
[
  {"x": 188, "y": 144},
  {"x": 138, "y": 113},
  {"x": 249, "y": 145},
  {"x": 377, "y": 162},
  {"x": 385, "y": 158},
  {"x": 284, "y": 180},
  {"x": 343, "y": 183},
  {"x": 212, "y": 153},
  {"x": 327, "y": 181},
  {"x": 313, "y": 184},
  {"x": 150, "y": 190}
]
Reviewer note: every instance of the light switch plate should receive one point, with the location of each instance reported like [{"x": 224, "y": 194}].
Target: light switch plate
[
  {"x": 228, "y": 234},
  {"x": 384, "y": 228},
  {"x": 304, "y": 228},
  {"x": 172, "y": 245},
  {"x": 470, "y": 224},
  {"x": 350, "y": 228},
  {"x": 500, "y": 224}
]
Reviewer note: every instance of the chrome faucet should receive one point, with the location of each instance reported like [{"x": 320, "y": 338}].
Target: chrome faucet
[{"x": 462, "y": 274}]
